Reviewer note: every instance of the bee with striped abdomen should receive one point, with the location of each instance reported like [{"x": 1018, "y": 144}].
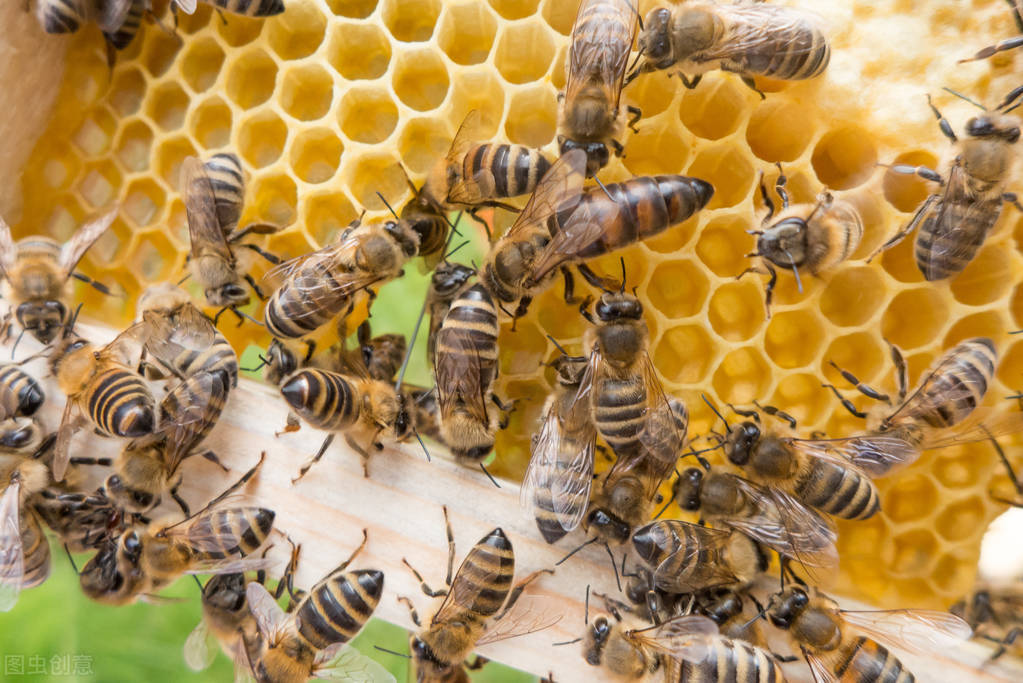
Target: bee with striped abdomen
[
  {"x": 831, "y": 641},
  {"x": 37, "y": 274},
  {"x": 227, "y": 624},
  {"x": 81, "y": 521},
  {"x": 26, "y": 394},
  {"x": 814, "y": 237},
  {"x": 24, "y": 549},
  {"x": 447, "y": 282},
  {"x": 429, "y": 222},
  {"x": 247, "y": 8},
  {"x": 954, "y": 222},
  {"x": 744, "y": 38},
  {"x": 590, "y": 115}
]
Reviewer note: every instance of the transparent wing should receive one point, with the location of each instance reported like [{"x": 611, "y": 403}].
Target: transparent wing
[
  {"x": 465, "y": 137},
  {"x": 875, "y": 455},
  {"x": 270, "y": 618},
  {"x": 695, "y": 544},
  {"x": 187, "y": 6},
  {"x": 112, "y": 13},
  {"x": 189, "y": 330},
  {"x": 8, "y": 250},
  {"x": 684, "y": 637},
  {"x": 466, "y": 589},
  {"x": 600, "y": 54},
  {"x": 528, "y": 616},
  {"x": 581, "y": 229},
  {"x": 9, "y": 402},
  {"x": 205, "y": 530},
  {"x": 204, "y": 229},
  {"x": 981, "y": 425},
  {"x": 460, "y": 374},
  {"x": 62, "y": 446},
  {"x": 819, "y": 669},
  {"x": 12, "y": 554},
  {"x": 664, "y": 434},
  {"x": 231, "y": 565},
  {"x": 72, "y": 252},
  {"x": 918, "y": 631},
  {"x": 559, "y": 190},
  {"x": 754, "y": 28},
  {"x": 188, "y": 412},
  {"x": 341, "y": 662},
  {"x": 200, "y": 647}
]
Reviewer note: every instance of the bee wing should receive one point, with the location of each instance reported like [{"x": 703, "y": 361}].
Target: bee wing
[
  {"x": 270, "y": 618},
  {"x": 559, "y": 190},
  {"x": 466, "y": 589},
  {"x": 319, "y": 281},
  {"x": 200, "y": 647},
  {"x": 72, "y": 252},
  {"x": 528, "y": 616},
  {"x": 819, "y": 669},
  {"x": 203, "y": 530},
  {"x": 204, "y": 229},
  {"x": 875, "y": 455},
  {"x": 231, "y": 565},
  {"x": 979, "y": 426},
  {"x": 705, "y": 541},
  {"x": 599, "y": 54},
  {"x": 465, "y": 137},
  {"x": 9, "y": 402},
  {"x": 664, "y": 432},
  {"x": 190, "y": 330},
  {"x": 187, "y": 6},
  {"x": 188, "y": 412},
  {"x": 918, "y": 631},
  {"x": 8, "y": 250},
  {"x": 112, "y": 13},
  {"x": 755, "y": 28},
  {"x": 342, "y": 662},
  {"x": 12, "y": 553},
  {"x": 458, "y": 379},
  {"x": 582, "y": 228},
  {"x": 684, "y": 637},
  {"x": 61, "y": 447}
]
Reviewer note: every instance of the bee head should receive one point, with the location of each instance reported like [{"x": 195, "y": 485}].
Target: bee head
[
  {"x": 403, "y": 234},
  {"x": 608, "y": 526},
  {"x": 994, "y": 125},
  {"x": 655, "y": 40},
  {"x": 784, "y": 243},
  {"x": 740, "y": 442},
  {"x": 281, "y": 362},
  {"x": 42, "y": 319},
  {"x": 22, "y": 434},
  {"x": 596, "y": 639},
  {"x": 688, "y": 487},
  {"x": 597, "y": 154},
  {"x": 614, "y": 306},
  {"x": 231, "y": 295},
  {"x": 448, "y": 278},
  {"x": 722, "y": 607},
  {"x": 788, "y": 607},
  {"x": 130, "y": 498}
]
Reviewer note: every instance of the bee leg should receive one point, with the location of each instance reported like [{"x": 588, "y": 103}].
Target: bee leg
[
  {"x": 423, "y": 586},
  {"x": 180, "y": 501},
  {"x": 618, "y": 148},
  {"x": 1009, "y": 639},
  {"x": 287, "y": 581},
  {"x": 943, "y": 124},
  {"x": 104, "y": 462},
  {"x": 636, "y": 113},
  {"x": 864, "y": 389},
  {"x": 779, "y": 187},
  {"x": 315, "y": 459},
  {"x": 255, "y": 287},
  {"x": 990, "y": 50},
  {"x": 846, "y": 403},
  {"x": 212, "y": 457},
  {"x": 752, "y": 85},
  {"x": 98, "y": 286},
  {"x": 901, "y": 371},
  {"x": 291, "y": 424},
  {"x": 478, "y": 663},
  {"x": 253, "y": 228},
  {"x": 517, "y": 590},
  {"x": 780, "y": 414},
  {"x": 411, "y": 610},
  {"x": 355, "y": 553},
  {"x": 272, "y": 258},
  {"x": 909, "y": 227},
  {"x": 583, "y": 310},
  {"x": 220, "y": 14},
  {"x": 473, "y": 215},
  {"x": 569, "y": 285},
  {"x": 451, "y": 546},
  {"x": 689, "y": 83},
  {"x": 744, "y": 413},
  {"x": 1011, "y": 198},
  {"x": 769, "y": 289}
]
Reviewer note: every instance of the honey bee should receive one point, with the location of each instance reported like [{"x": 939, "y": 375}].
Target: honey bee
[
  {"x": 995, "y": 613},
  {"x": 590, "y": 117},
  {"x": 743, "y": 38},
  {"x": 66, "y": 16},
  {"x": 955, "y": 222},
  {"x": 220, "y": 538},
  {"x": 471, "y": 613},
  {"x": 247, "y": 8},
  {"x": 728, "y": 609},
  {"x": 24, "y": 550},
  {"x": 428, "y": 221},
  {"x": 557, "y": 481},
  {"x": 100, "y": 389},
  {"x": 446, "y": 283},
  {"x": 37, "y": 272},
  {"x": 815, "y": 236},
  {"x": 560, "y": 225},
  {"x": 21, "y": 394},
  {"x": 842, "y": 645},
  {"x": 213, "y": 193},
  {"x": 767, "y": 515},
  {"x": 317, "y": 287},
  {"x": 312, "y": 640},
  {"x": 120, "y": 34},
  {"x": 82, "y": 521}
]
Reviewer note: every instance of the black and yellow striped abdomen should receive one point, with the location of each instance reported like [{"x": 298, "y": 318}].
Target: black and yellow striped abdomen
[
  {"x": 554, "y": 523},
  {"x": 732, "y": 661},
  {"x": 956, "y": 384},
  {"x": 226, "y": 176},
  {"x": 219, "y": 357},
  {"x": 619, "y": 411},
  {"x": 248, "y": 526},
  {"x": 685, "y": 557},
  {"x": 28, "y": 391},
  {"x": 123, "y": 36},
  {"x": 515, "y": 169},
  {"x": 793, "y": 51},
  {"x": 36, "y": 550},
  {"x": 861, "y": 660},
  {"x": 489, "y": 569},
  {"x": 468, "y": 335},
  {"x": 326, "y": 400},
  {"x": 950, "y": 236},
  {"x": 605, "y": 25},
  {"x": 839, "y": 491},
  {"x": 336, "y": 609},
  {"x": 120, "y": 403},
  {"x": 206, "y": 391},
  {"x": 291, "y": 314}
]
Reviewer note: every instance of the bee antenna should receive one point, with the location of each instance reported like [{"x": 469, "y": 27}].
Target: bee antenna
[
  {"x": 391, "y": 652},
  {"x": 614, "y": 566},
  {"x": 263, "y": 362},
  {"x": 388, "y": 206},
  {"x": 243, "y": 315},
  {"x": 961, "y": 96},
  {"x": 1011, "y": 97},
  {"x": 557, "y": 345},
  {"x": 1016, "y": 332},
  {"x": 489, "y": 476},
  {"x": 604, "y": 188},
  {"x": 408, "y": 352},
  {"x": 795, "y": 271},
  {"x": 18, "y": 341},
  {"x": 715, "y": 410},
  {"x": 586, "y": 613},
  {"x": 567, "y": 642},
  {"x": 420, "y": 440},
  {"x": 184, "y": 279},
  {"x": 71, "y": 559},
  {"x": 756, "y": 617},
  {"x": 577, "y": 549},
  {"x": 622, "y": 260},
  {"x": 452, "y": 252},
  {"x": 198, "y": 582},
  {"x": 1005, "y": 461}
]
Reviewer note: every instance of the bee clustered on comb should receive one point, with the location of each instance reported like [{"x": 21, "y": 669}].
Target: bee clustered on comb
[{"x": 323, "y": 102}]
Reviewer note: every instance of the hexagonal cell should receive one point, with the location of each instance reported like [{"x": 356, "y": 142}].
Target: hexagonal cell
[
  {"x": 133, "y": 146},
  {"x": 684, "y": 354},
  {"x": 987, "y": 324},
  {"x": 1010, "y": 368},
  {"x": 741, "y": 376},
  {"x": 959, "y": 472},
  {"x": 714, "y": 110},
  {"x": 914, "y": 552},
  {"x": 252, "y": 77},
  {"x": 100, "y": 184},
  {"x": 109, "y": 248},
  {"x": 779, "y": 130},
  {"x": 127, "y": 91},
  {"x": 143, "y": 202},
  {"x": 169, "y": 155},
  {"x": 476, "y": 89},
  {"x": 298, "y": 32},
  {"x": 198, "y": 20},
  {"x": 325, "y": 215},
  {"x": 61, "y": 168},
  {"x": 158, "y": 52},
  {"x": 670, "y": 241},
  {"x": 532, "y": 116},
  {"x": 166, "y": 106},
  {"x": 794, "y": 338},
  {"x": 723, "y": 246},
  {"x": 659, "y": 148},
  {"x": 261, "y": 138},
  {"x": 275, "y": 199},
  {"x": 525, "y": 51},
  {"x": 307, "y": 92},
  {"x": 875, "y": 216},
  {"x": 87, "y": 76},
  {"x": 367, "y": 115},
  {"x": 726, "y": 167},
  {"x": 94, "y": 135},
  {"x": 420, "y": 79},
  {"x": 359, "y": 51},
  {"x": 530, "y": 349},
  {"x": 201, "y": 63},
  {"x": 845, "y": 157},
  {"x": 467, "y": 32},
  {"x": 316, "y": 154},
  {"x": 550, "y": 314},
  {"x": 423, "y": 141},
  {"x": 914, "y": 318},
  {"x": 514, "y": 9},
  {"x": 651, "y": 94},
  {"x": 154, "y": 257},
  {"x": 736, "y": 310},
  {"x": 1016, "y": 306},
  {"x": 240, "y": 30},
  {"x": 211, "y": 123},
  {"x": 802, "y": 397},
  {"x": 960, "y": 520},
  {"x": 411, "y": 21},
  {"x": 858, "y": 353},
  {"x": 904, "y": 191},
  {"x": 952, "y": 573},
  {"x": 678, "y": 289},
  {"x": 986, "y": 279},
  {"x": 559, "y": 15},
  {"x": 372, "y": 173},
  {"x": 356, "y": 9},
  {"x": 910, "y": 497},
  {"x": 900, "y": 260},
  {"x": 853, "y": 296}
]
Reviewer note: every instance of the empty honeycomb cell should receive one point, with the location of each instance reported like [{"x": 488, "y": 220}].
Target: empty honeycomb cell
[
  {"x": 794, "y": 338},
  {"x": 651, "y": 94},
  {"x": 422, "y": 142},
  {"x": 143, "y": 202},
  {"x": 359, "y": 51},
  {"x": 802, "y": 397},
  {"x": 559, "y": 15},
  {"x": 678, "y": 289},
  {"x": 169, "y": 155},
  {"x": 845, "y": 157},
  {"x": 876, "y": 220},
  {"x": 987, "y": 278},
  {"x": 860, "y": 353},
  {"x": 159, "y": 51},
  {"x": 62, "y": 220},
  {"x": 477, "y": 89},
  {"x": 201, "y": 61},
  {"x": 88, "y": 77},
  {"x": 909, "y": 498},
  {"x": 298, "y": 32},
  {"x": 196, "y": 21},
  {"x": 240, "y": 30},
  {"x": 551, "y": 315},
  {"x": 960, "y": 520},
  {"x": 316, "y": 154},
  {"x": 261, "y": 138},
  {"x": 684, "y": 354},
  {"x": 63, "y": 167},
  {"x": 127, "y": 91},
  {"x": 252, "y": 78},
  {"x": 779, "y": 130},
  {"x": 853, "y": 296},
  {"x": 671, "y": 241},
  {"x": 275, "y": 199},
  {"x": 741, "y": 376},
  {"x": 957, "y": 469},
  {"x": 99, "y": 185},
  {"x": 900, "y": 261},
  {"x": 94, "y": 135},
  {"x": 951, "y": 573},
  {"x": 166, "y": 106},
  {"x": 367, "y": 115},
  {"x": 514, "y": 9},
  {"x": 532, "y": 117},
  {"x": 325, "y": 215},
  {"x": 736, "y": 310},
  {"x": 713, "y": 110},
  {"x": 466, "y": 32},
  {"x": 211, "y": 123},
  {"x": 726, "y": 168},
  {"x": 411, "y": 21},
  {"x": 525, "y": 51},
  {"x": 420, "y": 80},
  {"x": 723, "y": 246},
  {"x": 374, "y": 173},
  {"x": 657, "y": 149},
  {"x": 915, "y": 552},
  {"x": 307, "y": 92},
  {"x": 133, "y": 146},
  {"x": 914, "y": 318},
  {"x": 1010, "y": 367},
  {"x": 289, "y": 243},
  {"x": 176, "y": 221},
  {"x": 150, "y": 257},
  {"x": 530, "y": 349},
  {"x": 630, "y": 262},
  {"x": 862, "y": 539},
  {"x": 987, "y": 324},
  {"x": 906, "y": 192}
]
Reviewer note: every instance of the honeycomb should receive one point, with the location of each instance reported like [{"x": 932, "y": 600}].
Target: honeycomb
[{"x": 322, "y": 102}]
